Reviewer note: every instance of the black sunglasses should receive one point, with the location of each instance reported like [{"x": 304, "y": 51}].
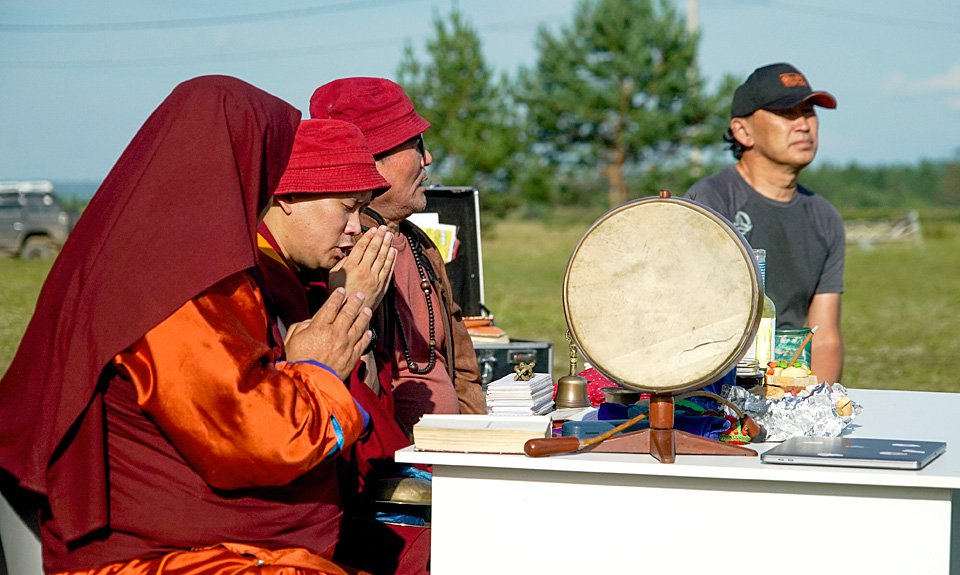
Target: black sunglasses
[{"x": 416, "y": 141}]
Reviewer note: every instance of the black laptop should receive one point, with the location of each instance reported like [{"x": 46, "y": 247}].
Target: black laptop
[{"x": 855, "y": 452}]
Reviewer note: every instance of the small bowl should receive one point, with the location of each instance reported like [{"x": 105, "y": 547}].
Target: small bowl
[{"x": 620, "y": 395}]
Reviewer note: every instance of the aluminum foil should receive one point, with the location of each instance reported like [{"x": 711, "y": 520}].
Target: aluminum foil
[{"x": 811, "y": 412}]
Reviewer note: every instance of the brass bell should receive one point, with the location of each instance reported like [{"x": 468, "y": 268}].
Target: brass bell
[{"x": 572, "y": 389}]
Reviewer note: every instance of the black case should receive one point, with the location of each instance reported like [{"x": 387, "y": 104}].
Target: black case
[{"x": 460, "y": 206}]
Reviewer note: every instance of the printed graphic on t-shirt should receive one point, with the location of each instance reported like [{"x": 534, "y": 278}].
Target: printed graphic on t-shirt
[{"x": 742, "y": 222}]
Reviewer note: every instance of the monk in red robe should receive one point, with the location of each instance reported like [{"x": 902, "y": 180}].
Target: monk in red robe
[
  {"x": 161, "y": 417},
  {"x": 423, "y": 349},
  {"x": 435, "y": 366},
  {"x": 304, "y": 256}
]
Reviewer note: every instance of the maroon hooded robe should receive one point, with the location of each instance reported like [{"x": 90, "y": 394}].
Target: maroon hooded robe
[{"x": 177, "y": 214}]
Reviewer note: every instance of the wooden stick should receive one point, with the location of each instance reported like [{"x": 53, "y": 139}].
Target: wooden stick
[
  {"x": 802, "y": 345},
  {"x": 611, "y": 432},
  {"x": 542, "y": 446}
]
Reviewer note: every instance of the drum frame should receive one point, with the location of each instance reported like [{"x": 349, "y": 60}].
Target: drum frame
[{"x": 661, "y": 440}]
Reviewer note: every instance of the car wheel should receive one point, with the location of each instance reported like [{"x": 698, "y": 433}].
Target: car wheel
[{"x": 37, "y": 248}]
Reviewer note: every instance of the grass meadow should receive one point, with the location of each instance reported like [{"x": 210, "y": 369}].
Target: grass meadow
[
  {"x": 901, "y": 308},
  {"x": 20, "y": 283}
]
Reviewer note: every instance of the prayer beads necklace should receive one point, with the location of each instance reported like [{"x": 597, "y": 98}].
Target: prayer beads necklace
[{"x": 425, "y": 286}]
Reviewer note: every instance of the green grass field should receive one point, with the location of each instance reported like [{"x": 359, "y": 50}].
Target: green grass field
[
  {"x": 900, "y": 315},
  {"x": 20, "y": 283},
  {"x": 901, "y": 308}
]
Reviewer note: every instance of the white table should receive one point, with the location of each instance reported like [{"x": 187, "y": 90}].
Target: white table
[{"x": 628, "y": 513}]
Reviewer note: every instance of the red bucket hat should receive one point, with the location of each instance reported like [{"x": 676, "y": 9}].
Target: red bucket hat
[
  {"x": 379, "y": 107},
  {"x": 330, "y": 156}
]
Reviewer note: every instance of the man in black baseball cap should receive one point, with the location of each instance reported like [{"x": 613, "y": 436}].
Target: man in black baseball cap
[
  {"x": 773, "y": 134},
  {"x": 776, "y": 87}
]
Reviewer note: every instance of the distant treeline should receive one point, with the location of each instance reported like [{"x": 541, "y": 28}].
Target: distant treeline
[
  {"x": 75, "y": 194},
  {"x": 854, "y": 189},
  {"x": 614, "y": 107},
  {"x": 925, "y": 185}
]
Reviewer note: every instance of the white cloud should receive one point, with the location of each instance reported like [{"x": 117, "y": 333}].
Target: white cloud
[
  {"x": 221, "y": 37},
  {"x": 946, "y": 83},
  {"x": 954, "y": 102},
  {"x": 896, "y": 83}
]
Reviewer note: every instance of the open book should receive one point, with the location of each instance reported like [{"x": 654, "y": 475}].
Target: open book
[
  {"x": 478, "y": 433},
  {"x": 443, "y": 235}
]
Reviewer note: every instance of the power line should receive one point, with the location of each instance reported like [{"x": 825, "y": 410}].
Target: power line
[
  {"x": 367, "y": 4},
  {"x": 301, "y": 51},
  {"x": 304, "y": 51},
  {"x": 202, "y": 21},
  {"x": 855, "y": 16}
]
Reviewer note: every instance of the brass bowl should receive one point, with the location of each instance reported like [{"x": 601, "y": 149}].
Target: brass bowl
[
  {"x": 406, "y": 490},
  {"x": 620, "y": 395}
]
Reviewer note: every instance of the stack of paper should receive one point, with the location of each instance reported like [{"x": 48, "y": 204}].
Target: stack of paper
[{"x": 509, "y": 396}]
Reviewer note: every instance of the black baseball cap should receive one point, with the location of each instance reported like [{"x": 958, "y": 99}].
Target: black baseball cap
[{"x": 776, "y": 87}]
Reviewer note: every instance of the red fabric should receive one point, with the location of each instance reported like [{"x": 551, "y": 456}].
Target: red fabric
[
  {"x": 596, "y": 382},
  {"x": 285, "y": 290},
  {"x": 330, "y": 156},
  {"x": 379, "y": 107},
  {"x": 418, "y": 393},
  {"x": 209, "y": 442},
  {"x": 282, "y": 289},
  {"x": 400, "y": 549},
  {"x": 177, "y": 213},
  {"x": 375, "y": 452}
]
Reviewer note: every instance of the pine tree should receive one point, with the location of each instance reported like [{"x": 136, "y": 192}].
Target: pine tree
[
  {"x": 618, "y": 89},
  {"x": 474, "y": 133}
]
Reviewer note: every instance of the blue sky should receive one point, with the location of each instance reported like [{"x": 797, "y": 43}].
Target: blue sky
[{"x": 77, "y": 79}]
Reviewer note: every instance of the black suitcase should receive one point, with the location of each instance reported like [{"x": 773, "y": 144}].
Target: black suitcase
[{"x": 460, "y": 206}]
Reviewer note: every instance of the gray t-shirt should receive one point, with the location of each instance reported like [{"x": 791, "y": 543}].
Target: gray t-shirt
[{"x": 804, "y": 239}]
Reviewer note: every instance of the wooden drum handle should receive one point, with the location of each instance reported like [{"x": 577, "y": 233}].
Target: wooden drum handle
[{"x": 543, "y": 446}]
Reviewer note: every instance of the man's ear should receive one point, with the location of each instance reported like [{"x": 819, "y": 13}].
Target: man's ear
[
  {"x": 740, "y": 128},
  {"x": 285, "y": 206}
]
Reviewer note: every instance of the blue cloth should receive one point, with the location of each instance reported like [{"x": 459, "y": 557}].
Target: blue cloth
[
  {"x": 415, "y": 472},
  {"x": 401, "y": 518},
  {"x": 336, "y": 424},
  {"x": 405, "y": 518},
  {"x": 729, "y": 378},
  {"x": 704, "y": 425},
  {"x": 316, "y": 363},
  {"x": 609, "y": 410}
]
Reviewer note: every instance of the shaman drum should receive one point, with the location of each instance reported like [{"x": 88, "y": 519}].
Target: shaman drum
[{"x": 662, "y": 295}]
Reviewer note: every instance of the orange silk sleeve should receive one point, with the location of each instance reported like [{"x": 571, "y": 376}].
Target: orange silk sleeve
[{"x": 204, "y": 376}]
